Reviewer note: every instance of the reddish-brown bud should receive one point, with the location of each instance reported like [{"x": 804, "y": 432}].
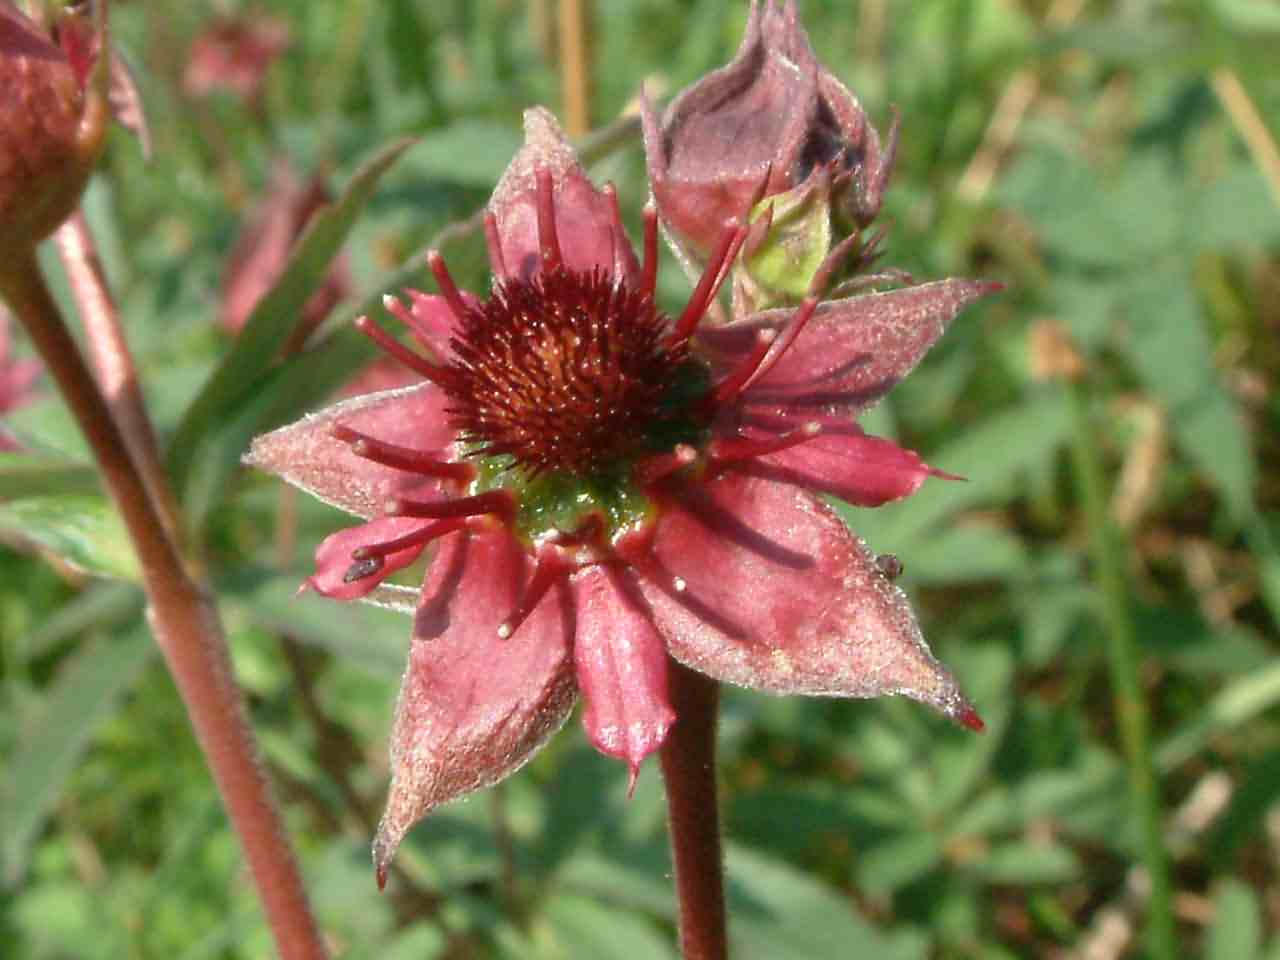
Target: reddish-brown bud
[
  {"x": 774, "y": 112},
  {"x": 51, "y": 127}
]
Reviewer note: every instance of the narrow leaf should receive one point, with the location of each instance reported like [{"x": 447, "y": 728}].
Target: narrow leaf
[{"x": 83, "y": 530}]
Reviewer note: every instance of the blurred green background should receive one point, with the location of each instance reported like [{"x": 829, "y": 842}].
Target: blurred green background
[{"x": 1113, "y": 162}]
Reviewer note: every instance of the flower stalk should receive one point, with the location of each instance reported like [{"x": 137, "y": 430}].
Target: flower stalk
[
  {"x": 1132, "y": 711},
  {"x": 184, "y": 622},
  {"x": 112, "y": 361},
  {"x": 688, "y": 769}
]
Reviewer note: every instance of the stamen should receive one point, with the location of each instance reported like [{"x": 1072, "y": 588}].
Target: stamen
[
  {"x": 423, "y": 535},
  {"x": 652, "y": 469},
  {"x": 415, "y": 362},
  {"x": 492, "y": 241},
  {"x": 401, "y": 458},
  {"x": 729, "y": 449},
  {"x": 448, "y": 288},
  {"x": 649, "y": 273},
  {"x": 804, "y": 313},
  {"x": 548, "y": 239},
  {"x": 728, "y": 389},
  {"x": 495, "y": 501},
  {"x": 546, "y": 574},
  {"x": 726, "y": 249},
  {"x": 617, "y": 229}
]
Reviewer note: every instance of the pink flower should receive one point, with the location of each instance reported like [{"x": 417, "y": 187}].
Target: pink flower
[
  {"x": 234, "y": 55},
  {"x": 605, "y": 486},
  {"x": 262, "y": 251},
  {"x": 16, "y": 379}
]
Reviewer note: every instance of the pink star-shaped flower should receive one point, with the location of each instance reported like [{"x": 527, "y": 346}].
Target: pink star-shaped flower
[{"x": 606, "y": 487}]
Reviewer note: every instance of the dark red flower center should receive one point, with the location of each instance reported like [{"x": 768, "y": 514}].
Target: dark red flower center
[{"x": 566, "y": 372}]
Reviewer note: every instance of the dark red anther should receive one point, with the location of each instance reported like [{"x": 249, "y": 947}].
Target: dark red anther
[
  {"x": 402, "y": 458},
  {"x": 548, "y": 238},
  {"x": 495, "y": 501},
  {"x": 728, "y": 449},
  {"x": 550, "y": 570},
  {"x": 415, "y": 362}
]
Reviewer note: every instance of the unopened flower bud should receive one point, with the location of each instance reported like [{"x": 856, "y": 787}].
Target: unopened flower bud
[
  {"x": 51, "y": 127},
  {"x": 775, "y": 117}
]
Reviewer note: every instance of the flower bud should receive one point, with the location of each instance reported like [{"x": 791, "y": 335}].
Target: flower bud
[
  {"x": 775, "y": 117},
  {"x": 51, "y": 127}
]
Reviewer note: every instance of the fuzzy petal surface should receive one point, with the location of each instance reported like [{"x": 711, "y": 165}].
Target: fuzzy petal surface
[
  {"x": 473, "y": 708},
  {"x": 307, "y": 455},
  {"x": 852, "y": 352},
  {"x": 589, "y": 234},
  {"x": 333, "y": 556},
  {"x": 843, "y": 461},
  {"x": 621, "y": 661},
  {"x": 433, "y": 320},
  {"x": 758, "y": 583}
]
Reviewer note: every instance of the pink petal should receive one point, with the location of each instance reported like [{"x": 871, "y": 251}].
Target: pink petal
[
  {"x": 589, "y": 235},
  {"x": 473, "y": 708},
  {"x": 306, "y": 453},
  {"x": 760, "y": 584},
  {"x": 845, "y": 462},
  {"x": 852, "y": 352},
  {"x": 333, "y": 556},
  {"x": 622, "y": 670}
]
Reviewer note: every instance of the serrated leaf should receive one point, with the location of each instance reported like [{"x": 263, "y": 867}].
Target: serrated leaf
[
  {"x": 586, "y": 928},
  {"x": 1236, "y": 932},
  {"x": 272, "y": 321},
  {"x": 86, "y": 690},
  {"x": 777, "y": 911},
  {"x": 992, "y": 456},
  {"x": 81, "y": 529},
  {"x": 472, "y": 153},
  {"x": 1249, "y": 805},
  {"x": 365, "y": 636},
  {"x": 1234, "y": 705},
  {"x": 1027, "y": 863}
]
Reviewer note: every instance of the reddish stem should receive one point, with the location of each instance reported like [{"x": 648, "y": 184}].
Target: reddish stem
[
  {"x": 184, "y": 622},
  {"x": 688, "y": 766},
  {"x": 112, "y": 361}
]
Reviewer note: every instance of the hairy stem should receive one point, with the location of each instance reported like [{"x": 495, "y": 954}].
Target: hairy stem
[
  {"x": 184, "y": 622},
  {"x": 688, "y": 766},
  {"x": 112, "y": 361},
  {"x": 1132, "y": 712}
]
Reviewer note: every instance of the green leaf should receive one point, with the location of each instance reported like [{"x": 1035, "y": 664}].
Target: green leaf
[
  {"x": 82, "y": 529},
  {"x": 1242, "y": 821},
  {"x": 1236, "y": 933},
  {"x": 24, "y": 474},
  {"x": 1027, "y": 863},
  {"x": 86, "y": 691},
  {"x": 1234, "y": 705},
  {"x": 777, "y": 911},
  {"x": 377, "y": 640},
  {"x": 273, "y": 320},
  {"x": 580, "y": 927},
  {"x": 992, "y": 456},
  {"x": 102, "y": 604},
  {"x": 472, "y": 153}
]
